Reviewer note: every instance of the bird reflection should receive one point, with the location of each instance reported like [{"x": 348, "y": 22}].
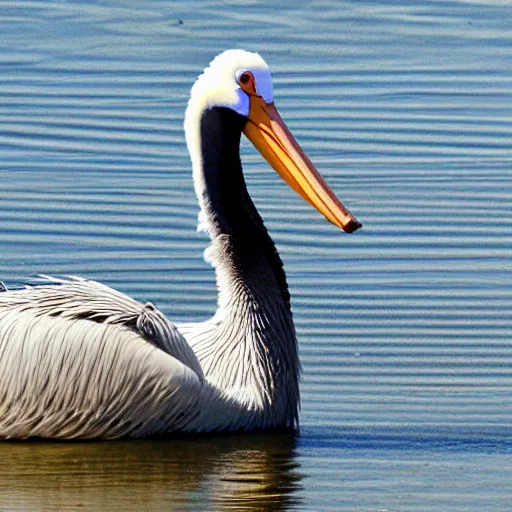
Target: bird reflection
[{"x": 249, "y": 473}]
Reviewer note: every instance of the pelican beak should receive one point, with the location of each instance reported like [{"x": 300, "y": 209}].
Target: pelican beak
[{"x": 267, "y": 131}]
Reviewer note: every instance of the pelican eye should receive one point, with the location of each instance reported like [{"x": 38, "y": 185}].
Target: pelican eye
[
  {"x": 247, "y": 83},
  {"x": 246, "y": 77}
]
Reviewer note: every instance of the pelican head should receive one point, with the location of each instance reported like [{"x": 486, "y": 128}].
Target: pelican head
[{"x": 241, "y": 81}]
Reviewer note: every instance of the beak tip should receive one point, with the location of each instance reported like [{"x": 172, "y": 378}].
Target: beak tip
[{"x": 353, "y": 225}]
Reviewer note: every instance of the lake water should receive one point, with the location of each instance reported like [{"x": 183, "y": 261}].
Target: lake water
[{"x": 405, "y": 328}]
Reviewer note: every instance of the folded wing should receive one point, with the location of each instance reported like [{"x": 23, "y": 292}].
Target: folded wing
[{"x": 80, "y": 360}]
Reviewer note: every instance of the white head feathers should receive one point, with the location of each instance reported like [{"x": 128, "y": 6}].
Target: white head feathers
[{"x": 218, "y": 85}]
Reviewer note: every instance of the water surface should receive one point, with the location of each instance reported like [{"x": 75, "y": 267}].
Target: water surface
[{"x": 404, "y": 328}]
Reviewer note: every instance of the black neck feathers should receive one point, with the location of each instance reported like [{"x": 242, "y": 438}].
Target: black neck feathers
[
  {"x": 228, "y": 205},
  {"x": 225, "y": 191}
]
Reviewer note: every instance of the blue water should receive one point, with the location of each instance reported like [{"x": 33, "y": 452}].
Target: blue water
[{"x": 405, "y": 328}]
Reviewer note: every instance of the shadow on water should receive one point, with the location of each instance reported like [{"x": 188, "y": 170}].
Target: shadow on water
[
  {"x": 407, "y": 440},
  {"x": 249, "y": 472}
]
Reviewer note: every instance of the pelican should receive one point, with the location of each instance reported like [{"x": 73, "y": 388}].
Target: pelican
[{"x": 80, "y": 360}]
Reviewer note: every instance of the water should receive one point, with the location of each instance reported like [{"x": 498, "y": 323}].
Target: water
[{"x": 404, "y": 327}]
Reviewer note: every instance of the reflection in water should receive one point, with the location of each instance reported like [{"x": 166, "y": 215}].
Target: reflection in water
[{"x": 218, "y": 473}]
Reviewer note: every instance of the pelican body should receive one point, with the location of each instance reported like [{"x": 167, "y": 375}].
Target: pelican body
[{"x": 81, "y": 360}]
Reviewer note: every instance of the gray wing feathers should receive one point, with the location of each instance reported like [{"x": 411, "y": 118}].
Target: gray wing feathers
[
  {"x": 80, "y": 360},
  {"x": 153, "y": 325},
  {"x": 82, "y": 299}
]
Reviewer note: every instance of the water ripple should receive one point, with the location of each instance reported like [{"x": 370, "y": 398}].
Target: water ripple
[{"x": 407, "y": 111}]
